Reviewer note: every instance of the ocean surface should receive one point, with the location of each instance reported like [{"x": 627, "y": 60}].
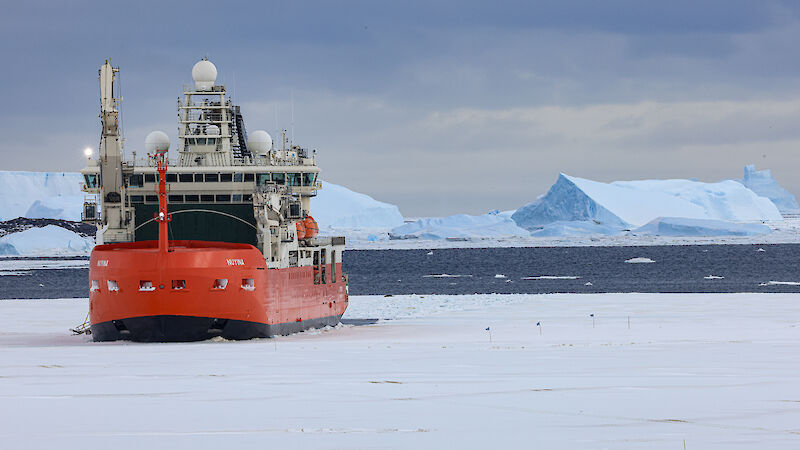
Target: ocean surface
[{"x": 691, "y": 268}]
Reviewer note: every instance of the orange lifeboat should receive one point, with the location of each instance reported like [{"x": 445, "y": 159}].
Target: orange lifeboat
[
  {"x": 311, "y": 227},
  {"x": 301, "y": 230}
]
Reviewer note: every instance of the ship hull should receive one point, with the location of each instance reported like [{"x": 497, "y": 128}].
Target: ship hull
[{"x": 200, "y": 290}]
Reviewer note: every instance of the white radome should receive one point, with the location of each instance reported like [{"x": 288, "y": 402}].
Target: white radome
[
  {"x": 204, "y": 74},
  {"x": 212, "y": 130},
  {"x": 259, "y": 142},
  {"x": 156, "y": 142}
]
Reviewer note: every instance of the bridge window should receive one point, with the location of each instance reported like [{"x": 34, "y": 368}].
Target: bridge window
[
  {"x": 225, "y": 177},
  {"x": 308, "y": 178},
  {"x": 238, "y": 177},
  {"x": 192, "y": 198},
  {"x": 212, "y": 177},
  {"x": 186, "y": 177},
  {"x": 136, "y": 180},
  {"x": 149, "y": 178},
  {"x": 293, "y": 179},
  {"x": 249, "y": 177},
  {"x": 262, "y": 179},
  {"x": 137, "y": 198},
  {"x": 247, "y": 198},
  {"x": 172, "y": 178},
  {"x": 223, "y": 198},
  {"x": 206, "y": 198},
  {"x": 175, "y": 198},
  {"x": 151, "y": 198},
  {"x": 279, "y": 178},
  {"x": 91, "y": 180},
  {"x": 198, "y": 178},
  {"x": 237, "y": 198}
]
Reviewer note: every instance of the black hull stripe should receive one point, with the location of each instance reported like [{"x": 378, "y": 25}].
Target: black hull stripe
[{"x": 170, "y": 328}]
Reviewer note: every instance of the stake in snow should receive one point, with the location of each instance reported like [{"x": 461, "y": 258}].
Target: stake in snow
[{"x": 236, "y": 256}]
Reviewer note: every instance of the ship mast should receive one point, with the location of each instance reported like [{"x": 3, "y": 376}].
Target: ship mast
[
  {"x": 114, "y": 214},
  {"x": 162, "y": 217}
]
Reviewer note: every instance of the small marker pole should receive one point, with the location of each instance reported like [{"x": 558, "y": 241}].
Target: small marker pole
[
  {"x": 592, "y": 316},
  {"x": 539, "y": 324},
  {"x": 629, "y": 322},
  {"x": 490, "y": 334}
]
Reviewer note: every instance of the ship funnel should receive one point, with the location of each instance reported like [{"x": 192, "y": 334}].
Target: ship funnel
[
  {"x": 204, "y": 74},
  {"x": 156, "y": 142}
]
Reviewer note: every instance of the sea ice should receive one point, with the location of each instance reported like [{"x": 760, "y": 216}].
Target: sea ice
[
  {"x": 678, "y": 226},
  {"x": 639, "y": 260},
  {"x": 493, "y": 224}
]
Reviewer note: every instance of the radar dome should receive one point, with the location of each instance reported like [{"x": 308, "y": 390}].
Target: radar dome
[
  {"x": 259, "y": 142},
  {"x": 204, "y": 74},
  {"x": 156, "y": 142},
  {"x": 212, "y": 130}
]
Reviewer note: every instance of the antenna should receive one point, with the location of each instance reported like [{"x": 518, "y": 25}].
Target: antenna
[{"x": 292, "y": 134}]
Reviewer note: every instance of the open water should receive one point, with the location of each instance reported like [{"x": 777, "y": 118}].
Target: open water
[{"x": 690, "y": 268}]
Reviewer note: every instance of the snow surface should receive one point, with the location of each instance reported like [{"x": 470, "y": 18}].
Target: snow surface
[
  {"x": 677, "y": 226},
  {"x": 635, "y": 203},
  {"x": 41, "y": 195},
  {"x": 493, "y": 224},
  {"x": 338, "y": 207},
  {"x": 762, "y": 183},
  {"x": 49, "y": 240},
  {"x": 713, "y": 371}
]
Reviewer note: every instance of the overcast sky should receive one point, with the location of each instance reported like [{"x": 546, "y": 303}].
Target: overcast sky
[{"x": 437, "y": 107}]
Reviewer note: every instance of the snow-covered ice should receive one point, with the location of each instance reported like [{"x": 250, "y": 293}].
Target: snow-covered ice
[
  {"x": 337, "y": 207},
  {"x": 762, "y": 183},
  {"x": 493, "y": 224},
  {"x": 623, "y": 204},
  {"x": 50, "y": 195},
  {"x": 679, "y": 226},
  {"x": 639, "y": 260},
  {"x": 716, "y": 371},
  {"x": 50, "y": 240}
]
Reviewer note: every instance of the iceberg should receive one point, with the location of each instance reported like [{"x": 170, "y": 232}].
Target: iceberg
[
  {"x": 338, "y": 207},
  {"x": 41, "y": 195},
  {"x": 626, "y": 204},
  {"x": 493, "y": 224},
  {"x": 762, "y": 183},
  {"x": 45, "y": 241},
  {"x": 679, "y": 226}
]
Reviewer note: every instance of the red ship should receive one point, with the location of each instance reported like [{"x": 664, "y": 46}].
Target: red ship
[{"x": 244, "y": 261}]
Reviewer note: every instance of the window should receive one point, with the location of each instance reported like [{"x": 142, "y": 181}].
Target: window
[
  {"x": 136, "y": 180},
  {"x": 198, "y": 178},
  {"x": 223, "y": 198},
  {"x": 279, "y": 177},
  {"x": 178, "y": 284},
  {"x": 262, "y": 179},
  {"x": 91, "y": 180},
  {"x": 175, "y": 198},
  {"x": 137, "y": 198},
  {"x": 247, "y": 198},
  {"x": 237, "y": 198},
  {"x": 212, "y": 177},
  {"x": 220, "y": 284},
  {"x": 172, "y": 178},
  {"x": 151, "y": 198},
  {"x": 225, "y": 177},
  {"x": 293, "y": 179},
  {"x": 238, "y": 177},
  {"x": 249, "y": 177},
  {"x": 333, "y": 266},
  {"x": 206, "y": 198},
  {"x": 191, "y": 198},
  {"x": 186, "y": 177},
  {"x": 308, "y": 179},
  {"x": 149, "y": 178}
]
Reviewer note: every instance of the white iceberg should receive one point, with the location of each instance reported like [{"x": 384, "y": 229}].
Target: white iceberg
[
  {"x": 623, "y": 204},
  {"x": 338, "y": 207},
  {"x": 762, "y": 183},
  {"x": 41, "y": 195},
  {"x": 49, "y": 240},
  {"x": 679, "y": 226},
  {"x": 493, "y": 224}
]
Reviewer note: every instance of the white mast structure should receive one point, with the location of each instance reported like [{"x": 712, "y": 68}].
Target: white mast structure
[{"x": 115, "y": 214}]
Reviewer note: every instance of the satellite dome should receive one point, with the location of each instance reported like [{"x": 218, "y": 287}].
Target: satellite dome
[
  {"x": 259, "y": 142},
  {"x": 156, "y": 142},
  {"x": 204, "y": 74},
  {"x": 212, "y": 130}
]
